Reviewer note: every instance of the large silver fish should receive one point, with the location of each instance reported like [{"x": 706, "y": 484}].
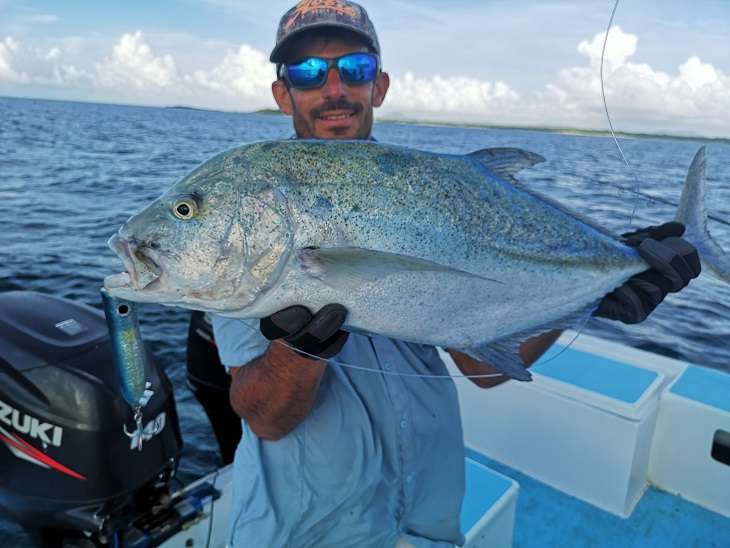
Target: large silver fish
[{"x": 440, "y": 249}]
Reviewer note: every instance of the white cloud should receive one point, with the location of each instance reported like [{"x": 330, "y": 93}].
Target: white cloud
[
  {"x": 8, "y": 55},
  {"x": 696, "y": 74},
  {"x": 246, "y": 74},
  {"x": 458, "y": 94},
  {"x": 241, "y": 80},
  {"x": 133, "y": 63},
  {"x": 20, "y": 64},
  {"x": 693, "y": 99},
  {"x": 622, "y": 46}
]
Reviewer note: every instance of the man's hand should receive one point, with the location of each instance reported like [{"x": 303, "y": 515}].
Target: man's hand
[
  {"x": 319, "y": 335},
  {"x": 674, "y": 263}
]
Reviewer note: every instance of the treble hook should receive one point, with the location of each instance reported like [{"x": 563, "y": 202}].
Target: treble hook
[{"x": 137, "y": 433}]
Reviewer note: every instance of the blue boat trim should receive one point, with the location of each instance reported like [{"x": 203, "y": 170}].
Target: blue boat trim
[
  {"x": 604, "y": 376},
  {"x": 704, "y": 385},
  {"x": 484, "y": 488},
  {"x": 546, "y": 517}
]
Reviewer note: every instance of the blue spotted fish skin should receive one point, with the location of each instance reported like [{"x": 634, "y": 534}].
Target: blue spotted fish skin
[
  {"x": 430, "y": 248},
  {"x": 130, "y": 358}
]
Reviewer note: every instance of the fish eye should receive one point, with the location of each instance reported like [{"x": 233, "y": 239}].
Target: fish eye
[{"x": 185, "y": 208}]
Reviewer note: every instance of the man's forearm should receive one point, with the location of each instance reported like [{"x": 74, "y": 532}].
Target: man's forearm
[
  {"x": 276, "y": 391},
  {"x": 530, "y": 351}
]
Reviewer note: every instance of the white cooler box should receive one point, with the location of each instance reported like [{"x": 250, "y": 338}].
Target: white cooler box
[
  {"x": 691, "y": 452},
  {"x": 584, "y": 425},
  {"x": 488, "y": 510}
]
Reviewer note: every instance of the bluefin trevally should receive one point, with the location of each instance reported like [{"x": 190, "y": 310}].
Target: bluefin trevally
[{"x": 440, "y": 249}]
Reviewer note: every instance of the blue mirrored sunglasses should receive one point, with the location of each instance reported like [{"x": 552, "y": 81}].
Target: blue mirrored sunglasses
[{"x": 311, "y": 72}]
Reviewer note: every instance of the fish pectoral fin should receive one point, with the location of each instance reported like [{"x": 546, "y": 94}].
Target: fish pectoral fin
[
  {"x": 506, "y": 162},
  {"x": 353, "y": 266}
]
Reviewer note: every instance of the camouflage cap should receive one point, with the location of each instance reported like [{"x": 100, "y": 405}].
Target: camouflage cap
[{"x": 311, "y": 14}]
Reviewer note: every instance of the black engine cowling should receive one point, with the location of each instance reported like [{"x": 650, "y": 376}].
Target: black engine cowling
[{"x": 65, "y": 460}]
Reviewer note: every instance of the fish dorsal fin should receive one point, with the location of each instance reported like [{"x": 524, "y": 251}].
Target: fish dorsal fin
[{"x": 506, "y": 162}]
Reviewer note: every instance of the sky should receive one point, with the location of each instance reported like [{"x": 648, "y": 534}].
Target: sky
[{"x": 501, "y": 62}]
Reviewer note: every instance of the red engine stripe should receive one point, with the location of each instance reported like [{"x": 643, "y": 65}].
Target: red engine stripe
[{"x": 23, "y": 446}]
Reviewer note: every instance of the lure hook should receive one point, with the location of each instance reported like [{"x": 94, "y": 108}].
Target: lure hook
[{"x": 136, "y": 435}]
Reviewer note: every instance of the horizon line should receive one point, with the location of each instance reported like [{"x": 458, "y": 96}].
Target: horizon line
[{"x": 580, "y": 132}]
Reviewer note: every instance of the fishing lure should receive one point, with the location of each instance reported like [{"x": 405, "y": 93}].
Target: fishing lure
[{"x": 130, "y": 360}]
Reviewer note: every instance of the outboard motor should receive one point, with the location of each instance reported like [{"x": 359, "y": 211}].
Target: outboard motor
[{"x": 66, "y": 463}]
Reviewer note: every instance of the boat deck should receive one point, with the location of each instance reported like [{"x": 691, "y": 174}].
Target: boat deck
[{"x": 546, "y": 517}]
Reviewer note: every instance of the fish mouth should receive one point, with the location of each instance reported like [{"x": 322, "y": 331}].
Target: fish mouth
[{"x": 143, "y": 271}]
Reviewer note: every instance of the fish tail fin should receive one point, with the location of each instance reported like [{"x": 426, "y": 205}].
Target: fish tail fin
[{"x": 692, "y": 212}]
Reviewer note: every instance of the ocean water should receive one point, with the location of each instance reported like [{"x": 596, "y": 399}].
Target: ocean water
[{"x": 72, "y": 173}]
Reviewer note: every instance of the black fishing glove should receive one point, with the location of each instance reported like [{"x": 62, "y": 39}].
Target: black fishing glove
[
  {"x": 674, "y": 262},
  {"x": 319, "y": 335}
]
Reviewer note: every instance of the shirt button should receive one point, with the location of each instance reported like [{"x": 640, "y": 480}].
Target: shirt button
[
  {"x": 403, "y": 424},
  {"x": 409, "y": 478},
  {"x": 386, "y": 366}
]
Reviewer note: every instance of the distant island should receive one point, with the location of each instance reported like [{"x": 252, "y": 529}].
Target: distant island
[
  {"x": 259, "y": 111},
  {"x": 560, "y": 130},
  {"x": 183, "y": 107},
  {"x": 267, "y": 111},
  {"x": 547, "y": 129},
  {"x": 403, "y": 120}
]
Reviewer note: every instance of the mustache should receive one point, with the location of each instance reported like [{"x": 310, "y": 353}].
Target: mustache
[{"x": 337, "y": 104}]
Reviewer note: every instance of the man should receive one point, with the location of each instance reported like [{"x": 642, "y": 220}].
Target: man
[{"x": 335, "y": 457}]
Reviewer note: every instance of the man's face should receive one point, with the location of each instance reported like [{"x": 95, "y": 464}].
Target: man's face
[{"x": 336, "y": 110}]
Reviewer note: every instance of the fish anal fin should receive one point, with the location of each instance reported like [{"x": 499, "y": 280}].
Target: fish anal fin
[{"x": 504, "y": 354}]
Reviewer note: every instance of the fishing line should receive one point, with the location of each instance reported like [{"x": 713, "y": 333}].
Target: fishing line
[
  {"x": 378, "y": 371},
  {"x": 623, "y": 157},
  {"x": 393, "y": 373},
  {"x": 635, "y": 191},
  {"x": 664, "y": 201},
  {"x": 608, "y": 116},
  {"x": 422, "y": 375},
  {"x": 212, "y": 509},
  {"x": 578, "y": 333}
]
